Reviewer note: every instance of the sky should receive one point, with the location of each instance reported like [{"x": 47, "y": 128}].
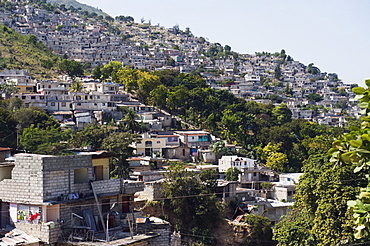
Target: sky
[{"x": 332, "y": 34}]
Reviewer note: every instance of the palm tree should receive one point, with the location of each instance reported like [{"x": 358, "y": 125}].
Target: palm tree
[{"x": 76, "y": 86}]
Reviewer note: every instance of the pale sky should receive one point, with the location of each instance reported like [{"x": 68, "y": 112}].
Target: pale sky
[{"x": 332, "y": 34}]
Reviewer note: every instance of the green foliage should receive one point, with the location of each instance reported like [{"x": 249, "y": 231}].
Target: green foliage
[
  {"x": 209, "y": 178},
  {"x": 220, "y": 149},
  {"x": 110, "y": 70},
  {"x": 71, "y": 68},
  {"x": 129, "y": 120},
  {"x": 320, "y": 215},
  {"x": 314, "y": 97},
  {"x": 260, "y": 231},
  {"x": 9, "y": 87},
  {"x": 282, "y": 114},
  {"x": 277, "y": 72},
  {"x": 354, "y": 148},
  {"x": 312, "y": 69},
  {"x": 121, "y": 144},
  {"x": 194, "y": 209},
  {"x": 273, "y": 156},
  {"x": 232, "y": 174},
  {"x": 35, "y": 139},
  {"x": 92, "y": 136},
  {"x": 8, "y": 126},
  {"x": 266, "y": 185},
  {"x": 25, "y": 52},
  {"x": 34, "y": 116},
  {"x": 76, "y": 86}
]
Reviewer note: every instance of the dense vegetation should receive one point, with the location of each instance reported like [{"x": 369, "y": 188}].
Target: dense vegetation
[
  {"x": 333, "y": 200},
  {"x": 266, "y": 132},
  {"x": 25, "y": 52}
]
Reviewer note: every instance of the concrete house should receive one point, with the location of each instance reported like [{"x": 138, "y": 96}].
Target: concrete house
[
  {"x": 284, "y": 190},
  {"x": 21, "y": 78},
  {"x": 46, "y": 196},
  {"x": 251, "y": 174},
  {"x": 195, "y": 139}
]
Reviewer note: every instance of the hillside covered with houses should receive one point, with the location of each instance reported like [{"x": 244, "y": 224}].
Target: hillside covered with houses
[
  {"x": 164, "y": 138},
  {"x": 264, "y": 77}
]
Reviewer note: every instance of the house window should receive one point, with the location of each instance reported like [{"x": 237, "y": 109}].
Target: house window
[
  {"x": 42, "y": 97},
  {"x": 173, "y": 139},
  {"x": 203, "y": 138},
  {"x": 80, "y": 175},
  {"x": 52, "y": 104},
  {"x": 183, "y": 152},
  {"x": 148, "y": 143},
  {"x": 23, "y": 97},
  {"x": 64, "y": 104}
]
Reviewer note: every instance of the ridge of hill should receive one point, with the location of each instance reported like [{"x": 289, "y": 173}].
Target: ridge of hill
[
  {"x": 25, "y": 52},
  {"x": 78, "y": 5}
]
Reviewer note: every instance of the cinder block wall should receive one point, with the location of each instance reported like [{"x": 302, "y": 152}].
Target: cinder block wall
[
  {"x": 37, "y": 178},
  {"x": 26, "y": 183},
  {"x": 59, "y": 175}
]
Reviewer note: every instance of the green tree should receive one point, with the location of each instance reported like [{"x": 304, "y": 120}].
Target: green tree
[
  {"x": 8, "y": 126},
  {"x": 282, "y": 114},
  {"x": 72, "y": 68},
  {"x": 121, "y": 144},
  {"x": 146, "y": 82},
  {"x": 9, "y": 88},
  {"x": 312, "y": 69},
  {"x": 130, "y": 121},
  {"x": 35, "y": 139},
  {"x": 76, "y": 86},
  {"x": 314, "y": 97},
  {"x": 158, "y": 96},
  {"x": 260, "y": 233},
  {"x": 209, "y": 178},
  {"x": 97, "y": 73},
  {"x": 220, "y": 149},
  {"x": 111, "y": 70},
  {"x": 353, "y": 149},
  {"x": 128, "y": 77},
  {"x": 232, "y": 174},
  {"x": 12, "y": 104},
  {"x": 34, "y": 116},
  {"x": 277, "y": 72},
  {"x": 319, "y": 215},
  {"x": 92, "y": 136},
  {"x": 273, "y": 156},
  {"x": 193, "y": 209}
]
